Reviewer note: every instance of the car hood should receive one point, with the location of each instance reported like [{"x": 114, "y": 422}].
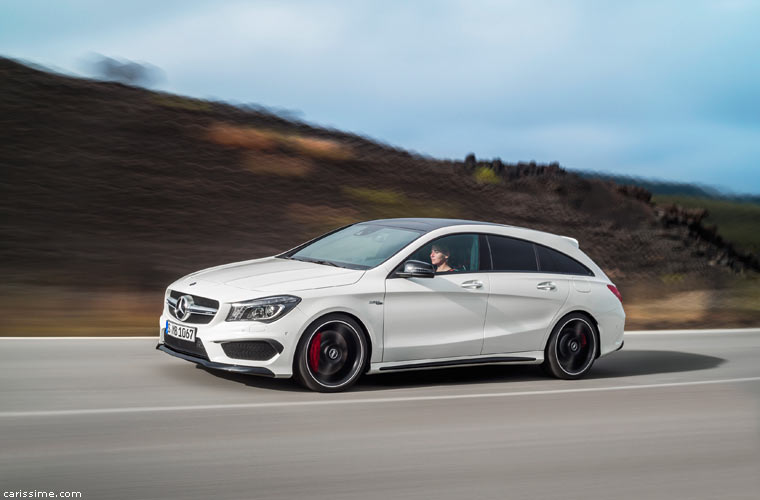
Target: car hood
[{"x": 278, "y": 275}]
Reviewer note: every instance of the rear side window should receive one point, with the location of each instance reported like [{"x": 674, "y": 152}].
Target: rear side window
[
  {"x": 552, "y": 261},
  {"x": 510, "y": 254}
]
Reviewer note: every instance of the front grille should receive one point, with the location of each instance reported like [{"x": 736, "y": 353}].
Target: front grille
[
  {"x": 192, "y": 348},
  {"x": 201, "y": 301},
  {"x": 211, "y": 306},
  {"x": 253, "y": 350}
]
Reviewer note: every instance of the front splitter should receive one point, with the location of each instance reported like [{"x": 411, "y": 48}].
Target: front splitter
[{"x": 249, "y": 370}]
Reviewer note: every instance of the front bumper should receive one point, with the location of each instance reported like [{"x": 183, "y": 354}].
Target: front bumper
[
  {"x": 250, "y": 370},
  {"x": 212, "y": 337}
]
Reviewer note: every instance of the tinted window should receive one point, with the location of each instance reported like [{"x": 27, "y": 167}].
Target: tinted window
[
  {"x": 552, "y": 261},
  {"x": 463, "y": 252},
  {"x": 509, "y": 254}
]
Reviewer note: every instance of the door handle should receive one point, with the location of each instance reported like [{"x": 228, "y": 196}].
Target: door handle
[
  {"x": 546, "y": 285},
  {"x": 472, "y": 284}
]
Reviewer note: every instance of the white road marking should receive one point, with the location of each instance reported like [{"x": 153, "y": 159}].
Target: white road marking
[
  {"x": 286, "y": 404},
  {"x": 725, "y": 331}
]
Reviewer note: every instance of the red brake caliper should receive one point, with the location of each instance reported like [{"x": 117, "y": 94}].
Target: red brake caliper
[
  {"x": 314, "y": 348},
  {"x": 583, "y": 339}
]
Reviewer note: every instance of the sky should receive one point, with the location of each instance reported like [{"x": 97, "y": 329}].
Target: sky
[{"x": 657, "y": 89}]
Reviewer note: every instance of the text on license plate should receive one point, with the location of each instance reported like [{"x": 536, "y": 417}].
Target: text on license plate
[{"x": 180, "y": 332}]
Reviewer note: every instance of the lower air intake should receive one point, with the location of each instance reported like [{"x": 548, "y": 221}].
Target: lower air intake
[{"x": 252, "y": 350}]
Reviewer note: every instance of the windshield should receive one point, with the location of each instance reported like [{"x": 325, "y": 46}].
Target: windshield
[{"x": 361, "y": 246}]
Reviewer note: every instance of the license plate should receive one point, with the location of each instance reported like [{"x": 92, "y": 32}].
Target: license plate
[{"x": 181, "y": 332}]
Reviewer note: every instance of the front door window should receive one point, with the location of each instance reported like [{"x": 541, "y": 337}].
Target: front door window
[{"x": 455, "y": 253}]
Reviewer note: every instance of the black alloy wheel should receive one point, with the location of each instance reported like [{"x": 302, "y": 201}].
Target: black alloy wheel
[
  {"x": 331, "y": 354},
  {"x": 572, "y": 347}
]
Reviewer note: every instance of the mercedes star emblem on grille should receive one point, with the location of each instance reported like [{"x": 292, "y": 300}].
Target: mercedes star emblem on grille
[{"x": 182, "y": 311}]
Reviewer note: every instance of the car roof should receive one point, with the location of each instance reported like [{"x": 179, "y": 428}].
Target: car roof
[{"x": 426, "y": 225}]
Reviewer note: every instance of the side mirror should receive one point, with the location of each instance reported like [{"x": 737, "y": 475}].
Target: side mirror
[{"x": 416, "y": 269}]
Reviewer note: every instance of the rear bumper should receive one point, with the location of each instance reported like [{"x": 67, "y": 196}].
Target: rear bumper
[
  {"x": 249, "y": 370},
  {"x": 611, "y": 329}
]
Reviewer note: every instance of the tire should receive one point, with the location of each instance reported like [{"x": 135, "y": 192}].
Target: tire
[
  {"x": 331, "y": 355},
  {"x": 572, "y": 347}
]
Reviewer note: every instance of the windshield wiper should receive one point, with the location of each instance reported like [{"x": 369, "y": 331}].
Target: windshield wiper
[{"x": 317, "y": 261}]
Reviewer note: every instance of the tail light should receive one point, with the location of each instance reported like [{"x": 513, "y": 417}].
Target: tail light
[{"x": 614, "y": 290}]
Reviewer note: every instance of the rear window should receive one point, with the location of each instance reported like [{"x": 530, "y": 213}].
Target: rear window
[
  {"x": 552, "y": 261},
  {"x": 510, "y": 254}
]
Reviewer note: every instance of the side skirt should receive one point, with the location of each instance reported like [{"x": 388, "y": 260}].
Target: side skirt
[{"x": 424, "y": 364}]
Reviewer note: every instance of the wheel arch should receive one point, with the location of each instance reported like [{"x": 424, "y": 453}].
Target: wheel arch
[
  {"x": 362, "y": 326},
  {"x": 593, "y": 320}
]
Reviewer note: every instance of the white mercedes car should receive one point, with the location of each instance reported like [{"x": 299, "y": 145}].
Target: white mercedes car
[{"x": 398, "y": 294}]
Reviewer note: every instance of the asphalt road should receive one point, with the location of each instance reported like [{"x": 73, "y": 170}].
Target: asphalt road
[{"x": 670, "y": 416}]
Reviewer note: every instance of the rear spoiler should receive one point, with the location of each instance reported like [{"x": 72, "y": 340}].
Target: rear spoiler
[{"x": 572, "y": 241}]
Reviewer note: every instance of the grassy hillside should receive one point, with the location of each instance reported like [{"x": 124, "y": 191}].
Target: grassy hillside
[
  {"x": 110, "y": 192},
  {"x": 737, "y": 222},
  {"x": 670, "y": 188}
]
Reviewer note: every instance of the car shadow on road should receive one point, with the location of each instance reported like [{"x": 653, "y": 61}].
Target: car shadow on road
[
  {"x": 617, "y": 365},
  {"x": 490, "y": 374},
  {"x": 634, "y": 362},
  {"x": 274, "y": 384},
  {"x": 621, "y": 364}
]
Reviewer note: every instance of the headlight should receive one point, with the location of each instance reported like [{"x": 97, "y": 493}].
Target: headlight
[{"x": 265, "y": 310}]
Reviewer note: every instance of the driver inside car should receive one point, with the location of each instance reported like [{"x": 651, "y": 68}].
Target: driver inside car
[{"x": 440, "y": 254}]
